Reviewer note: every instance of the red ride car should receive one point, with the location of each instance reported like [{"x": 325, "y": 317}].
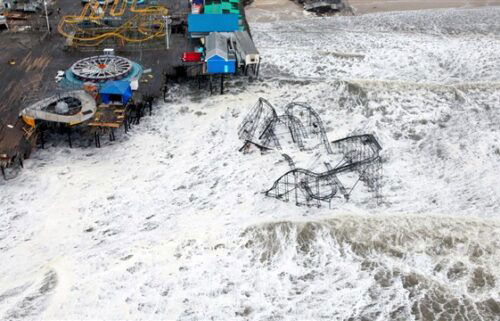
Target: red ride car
[{"x": 191, "y": 56}]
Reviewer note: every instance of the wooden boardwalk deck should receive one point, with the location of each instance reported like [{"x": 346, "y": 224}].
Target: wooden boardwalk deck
[{"x": 29, "y": 64}]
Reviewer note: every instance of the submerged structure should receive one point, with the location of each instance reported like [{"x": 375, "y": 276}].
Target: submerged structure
[
  {"x": 359, "y": 162},
  {"x": 357, "y": 158},
  {"x": 263, "y": 127}
]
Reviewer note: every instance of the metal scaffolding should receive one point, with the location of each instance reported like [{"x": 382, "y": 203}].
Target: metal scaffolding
[
  {"x": 299, "y": 124},
  {"x": 358, "y": 157},
  {"x": 120, "y": 23}
]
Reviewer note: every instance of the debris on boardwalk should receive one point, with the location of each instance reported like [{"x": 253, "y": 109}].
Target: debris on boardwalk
[{"x": 168, "y": 41}]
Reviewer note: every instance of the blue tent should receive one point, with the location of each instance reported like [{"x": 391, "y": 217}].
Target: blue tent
[{"x": 116, "y": 90}]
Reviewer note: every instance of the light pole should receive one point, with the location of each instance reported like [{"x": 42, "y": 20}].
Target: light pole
[
  {"x": 46, "y": 15},
  {"x": 167, "y": 22}
]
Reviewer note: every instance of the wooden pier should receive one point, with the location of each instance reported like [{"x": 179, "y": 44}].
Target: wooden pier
[{"x": 29, "y": 62}]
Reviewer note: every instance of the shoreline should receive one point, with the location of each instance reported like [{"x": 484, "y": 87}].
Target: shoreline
[
  {"x": 287, "y": 10},
  {"x": 361, "y": 7}
]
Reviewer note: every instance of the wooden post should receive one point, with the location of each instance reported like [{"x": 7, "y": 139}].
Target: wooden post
[
  {"x": 97, "y": 139},
  {"x": 42, "y": 139},
  {"x": 69, "y": 137},
  {"x": 165, "y": 88},
  {"x": 3, "y": 172},
  {"x": 222, "y": 84},
  {"x": 211, "y": 88}
]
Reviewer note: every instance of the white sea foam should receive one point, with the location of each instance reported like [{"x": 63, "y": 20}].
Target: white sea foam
[{"x": 169, "y": 222}]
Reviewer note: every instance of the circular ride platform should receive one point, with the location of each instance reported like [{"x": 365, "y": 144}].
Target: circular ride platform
[{"x": 102, "y": 68}]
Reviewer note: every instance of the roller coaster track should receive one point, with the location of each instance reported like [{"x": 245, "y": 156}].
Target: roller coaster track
[
  {"x": 359, "y": 155},
  {"x": 145, "y": 23},
  {"x": 294, "y": 126},
  {"x": 313, "y": 121},
  {"x": 257, "y": 120},
  {"x": 261, "y": 125},
  {"x": 360, "y": 152}
]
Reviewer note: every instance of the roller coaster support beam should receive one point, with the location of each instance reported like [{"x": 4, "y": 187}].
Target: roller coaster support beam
[{"x": 69, "y": 137}]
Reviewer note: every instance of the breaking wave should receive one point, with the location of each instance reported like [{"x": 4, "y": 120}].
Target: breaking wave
[
  {"x": 169, "y": 222},
  {"x": 349, "y": 267},
  {"x": 30, "y": 299}
]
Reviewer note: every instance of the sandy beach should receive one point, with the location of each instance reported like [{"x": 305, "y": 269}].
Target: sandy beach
[
  {"x": 274, "y": 10},
  {"x": 369, "y": 6},
  {"x": 279, "y": 10}
]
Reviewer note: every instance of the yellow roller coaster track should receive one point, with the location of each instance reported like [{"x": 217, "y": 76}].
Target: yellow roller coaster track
[{"x": 147, "y": 22}]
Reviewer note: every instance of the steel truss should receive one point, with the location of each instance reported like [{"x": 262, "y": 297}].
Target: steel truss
[{"x": 359, "y": 155}]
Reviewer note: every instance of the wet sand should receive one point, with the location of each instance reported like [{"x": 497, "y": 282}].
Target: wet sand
[
  {"x": 274, "y": 10},
  {"x": 369, "y": 6},
  {"x": 279, "y": 10}
]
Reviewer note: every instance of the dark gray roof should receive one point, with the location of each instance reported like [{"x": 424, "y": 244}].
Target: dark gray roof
[
  {"x": 246, "y": 43},
  {"x": 216, "y": 44}
]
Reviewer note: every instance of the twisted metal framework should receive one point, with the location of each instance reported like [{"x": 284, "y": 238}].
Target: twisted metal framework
[
  {"x": 279, "y": 127},
  {"x": 264, "y": 128},
  {"x": 311, "y": 120},
  {"x": 255, "y": 123},
  {"x": 364, "y": 151},
  {"x": 360, "y": 155}
]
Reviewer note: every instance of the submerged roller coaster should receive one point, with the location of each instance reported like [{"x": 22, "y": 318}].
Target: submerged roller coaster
[
  {"x": 263, "y": 127},
  {"x": 358, "y": 156},
  {"x": 119, "y": 23}
]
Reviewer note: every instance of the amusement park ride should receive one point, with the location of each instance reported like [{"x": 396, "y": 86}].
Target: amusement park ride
[
  {"x": 357, "y": 158},
  {"x": 120, "y": 23}
]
